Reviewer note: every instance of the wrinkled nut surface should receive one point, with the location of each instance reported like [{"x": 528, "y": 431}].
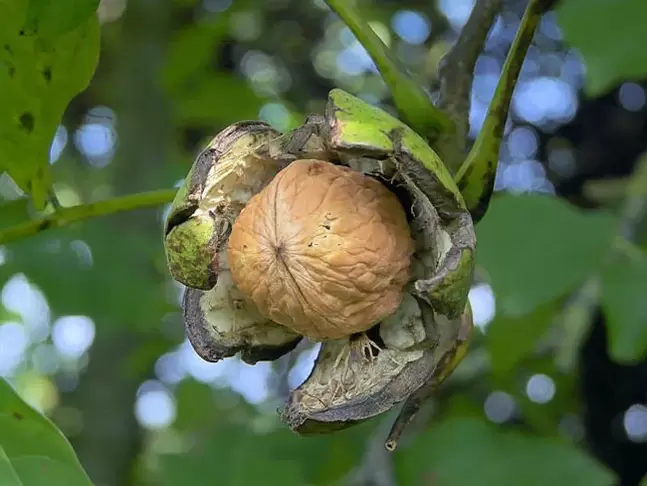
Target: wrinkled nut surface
[{"x": 323, "y": 250}]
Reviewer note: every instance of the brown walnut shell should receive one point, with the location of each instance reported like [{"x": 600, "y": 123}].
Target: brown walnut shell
[{"x": 323, "y": 250}]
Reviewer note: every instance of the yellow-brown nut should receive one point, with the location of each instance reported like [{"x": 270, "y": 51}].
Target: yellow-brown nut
[{"x": 323, "y": 250}]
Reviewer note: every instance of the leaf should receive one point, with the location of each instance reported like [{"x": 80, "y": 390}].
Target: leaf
[
  {"x": 470, "y": 452},
  {"x": 281, "y": 454},
  {"x": 511, "y": 339},
  {"x": 14, "y": 212},
  {"x": 190, "y": 52},
  {"x": 33, "y": 448},
  {"x": 8, "y": 476},
  {"x": 56, "y": 17},
  {"x": 537, "y": 248},
  {"x": 610, "y": 37},
  {"x": 624, "y": 288},
  {"x": 211, "y": 99},
  {"x": 235, "y": 457},
  {"x": 41, "y": 70}
]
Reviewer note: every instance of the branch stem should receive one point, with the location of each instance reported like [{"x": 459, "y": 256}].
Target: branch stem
[
  {"x": 411, "y": 100},
  {"x": 66, "y": 216},
  {"x": 477, "y": 174},
  {"x": 455, "y": 77}
]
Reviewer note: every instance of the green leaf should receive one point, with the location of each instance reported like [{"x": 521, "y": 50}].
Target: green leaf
[
  {"x": 41, "y": 70},
  {"x": 610, "y": 37},
  {"x": 510, "y": 339},
  {"x": 55, "y": 17},
  {"x": 203, "y": 102},
  {"x": 32, "y": 448},
  {"x": 191, "y": 51},
  {"x": 470, "y": 452},
  {"x": 8, "y": 476},
  {"x": 14, "y": 212},
  {"x": 624, "y": 288},
  {"x": 280, "y": 454},
  {"x": 235, "y": 457},
  {"x": 538, "y": 248}
]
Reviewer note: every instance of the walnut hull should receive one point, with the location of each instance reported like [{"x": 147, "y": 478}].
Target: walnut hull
[{"x": 415, "y": 338}]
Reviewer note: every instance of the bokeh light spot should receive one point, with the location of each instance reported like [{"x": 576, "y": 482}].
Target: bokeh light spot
[
  {"x": 155, "y": 407},
  {"x": 635, "y": 423},
  {"x": 540, "y": 388},
  {"x": 483, "y": 304},
  {"x": 13, "y": 344},
  {"x": 412, "y": 27},
  {"x": 631, "y": 96},
  {"x": 499, "y": 407},
  {"x": 73, "y": 335}
]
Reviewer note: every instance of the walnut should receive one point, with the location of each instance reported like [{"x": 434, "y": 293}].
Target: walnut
[{"x": 323, "y": 250}]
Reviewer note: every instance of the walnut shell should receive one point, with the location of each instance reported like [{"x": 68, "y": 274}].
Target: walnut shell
[{"x": 323, "y": 250}]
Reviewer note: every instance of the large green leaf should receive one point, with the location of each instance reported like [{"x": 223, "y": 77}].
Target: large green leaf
[
  {"x": 8, "y": 475},
  {"x": 624, "y": 292},
  {"x": 217, "y": 99},
  {"x": 229, "y": 452},
  {"x": 13, "y": 212},
  {"x": 510, "y": 339},
  {"x": 235, "y": 457},
  {"x": 33, "y": 452},
  {"x": 470, "y": 452},
  {"x": 537, "y": 248},
  {"x": 48, "y": 53},
  {"x": 56, "y": 17},
  {"x": 610, "y": 36}
]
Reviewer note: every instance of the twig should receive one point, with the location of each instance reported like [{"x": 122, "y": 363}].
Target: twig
[
  {"x": 67, "y": 216},
  {"x": 605, "y": 190},
  {"x": 476, "y": 176},
  {"x": 455, "y": 76},
  {"x": 53, "y": 200},
  {"x": 635, "y": 207},
  {"x": 376, "y": 468},
  {"x": 409, "y": 97}
]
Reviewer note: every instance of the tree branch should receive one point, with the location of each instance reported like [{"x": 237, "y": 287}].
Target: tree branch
[
  {"x": 66, "y": 216},
  {"x": 477, "y": 174},
  {"x": 455, "y": 76}
]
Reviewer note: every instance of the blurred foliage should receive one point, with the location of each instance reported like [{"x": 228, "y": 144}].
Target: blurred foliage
[
  {"x": 551, "y": 244},
  {"x": 170, "y": 76},
  {"x": 497, "y": 457},
  {"x": 609, "y": 36}
]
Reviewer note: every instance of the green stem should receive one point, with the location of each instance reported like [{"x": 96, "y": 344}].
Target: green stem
[
  {"x": 455, "y": 77},
  {"x": 67, "y": 216},
  {"x": 409, "y": 98},
  {"x": 476, "y": 175}
]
